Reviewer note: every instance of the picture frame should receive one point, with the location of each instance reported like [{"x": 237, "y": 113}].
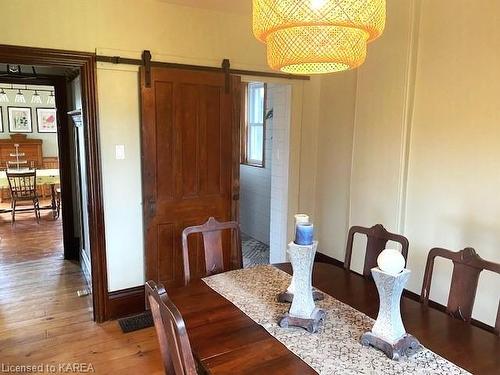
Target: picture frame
[
  {"x": 46, "y": 120},
  {"x": 1, "y": 120},
  {"x": 20, "y": 120}
]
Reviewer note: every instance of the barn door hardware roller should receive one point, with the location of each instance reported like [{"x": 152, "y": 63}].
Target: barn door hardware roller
[{"x": 146, "y": 62}]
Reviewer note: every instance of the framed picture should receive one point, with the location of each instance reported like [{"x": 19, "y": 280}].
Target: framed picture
[
  {"x": 1, "y": 120},
  {"x": 20, "y": 120},
  {"x": 46, "y": 120}
]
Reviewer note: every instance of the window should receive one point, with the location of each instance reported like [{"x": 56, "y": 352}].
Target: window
[{"x": 253, "y": 124}]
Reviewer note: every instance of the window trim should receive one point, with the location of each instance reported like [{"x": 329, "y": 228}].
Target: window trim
[{"x": 244, "y": 128}]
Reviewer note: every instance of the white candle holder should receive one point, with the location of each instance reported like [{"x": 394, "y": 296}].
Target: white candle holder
[
  {"x": 303, "y": 311},
  {"x": 388, "y": 333},
  {"x": 287, "y": 296}
]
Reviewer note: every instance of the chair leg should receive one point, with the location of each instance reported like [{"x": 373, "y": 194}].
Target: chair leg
[
  {"x": 36, "y": 207},
  {"x": 58, "y": 205},
  {"x": 13, "y": 207}
]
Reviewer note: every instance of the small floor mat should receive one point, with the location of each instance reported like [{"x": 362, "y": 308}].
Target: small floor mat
[
  {"x": 254, "y": 251},
  {"x": 136, "y": 322}
]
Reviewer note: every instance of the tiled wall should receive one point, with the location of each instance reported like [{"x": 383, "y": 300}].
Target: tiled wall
[
  {"x": 255, "y": 190},
  {"x": 281, "y": 96},
  {"x": 264, "y": 191}
]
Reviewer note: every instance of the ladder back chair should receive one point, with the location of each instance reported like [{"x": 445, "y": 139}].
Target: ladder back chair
[
  {"x": 171, "y": 331},
  {"x": 212, "y": 241},
  {"x": 22, "y": 187},
  {"x": 48, "y": 162},
  {"x": 378, "y": 237},
  {"x": 467, "y": 266}
]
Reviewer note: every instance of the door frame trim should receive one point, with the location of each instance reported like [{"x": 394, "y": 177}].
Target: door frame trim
[{"x": 86, "y": 62}]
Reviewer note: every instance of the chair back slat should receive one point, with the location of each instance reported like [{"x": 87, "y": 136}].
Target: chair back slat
[
  {"x": 214, "y": 260},
  {"x": 50, "y": 163},
  {"x": 171, "y": 331},
  {"x": 22, "y": 185},
  {"x": 377, "y": 238},
  {"x": 467, "y": 266},
  {"x": 213, "y": 246}
]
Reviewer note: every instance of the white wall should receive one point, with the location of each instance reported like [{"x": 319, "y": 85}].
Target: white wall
[
  {"x": 380, "y": 126},
  {"x": 363, "y": 125},
  {"x": 423, "y": 116},
  {"x": 121, "y": 178},
  {"x": 49, "y": 145},
  {"x": 454, "y": 157},
  {"x": 255, "y": 188},
  {"x": 336, "y": 129},
  {"x": 281, "y": 180},
  {"x": 308, "y": 146}
]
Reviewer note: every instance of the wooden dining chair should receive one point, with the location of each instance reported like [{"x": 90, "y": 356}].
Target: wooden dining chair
[
  {"x": 378, "y": 237},
  {"x": 212, "y": 240},
  {"x": 467, "y": 266},
  {"x": 22, "y": 187},
  {"x": 171, "y": 331},
  {"x": 48, "y": 162}
]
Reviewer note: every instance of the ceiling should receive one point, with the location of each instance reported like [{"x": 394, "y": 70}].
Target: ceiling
[
  {"x": 234, "y": 6},
  {"x": 40, "y": 70}
]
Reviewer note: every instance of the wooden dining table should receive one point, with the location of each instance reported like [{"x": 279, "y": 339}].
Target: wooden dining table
[{"x": 226, "y": 341}]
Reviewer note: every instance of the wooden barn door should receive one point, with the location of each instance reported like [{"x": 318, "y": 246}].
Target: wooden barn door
[{"x": 190, "y": 165}]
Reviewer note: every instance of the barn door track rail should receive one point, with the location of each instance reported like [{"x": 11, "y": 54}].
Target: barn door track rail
[{"x": 225, "y": 68}]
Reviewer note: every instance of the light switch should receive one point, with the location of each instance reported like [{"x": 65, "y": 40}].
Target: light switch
[{"x": 120, "y": 152}]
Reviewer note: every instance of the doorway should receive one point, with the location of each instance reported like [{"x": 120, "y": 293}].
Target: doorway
[
  {"x": 34, "y": 66},
  {"x": 265, "y": 147},
  {"x": 29, "y": 143},
  {"x": 40, "y": 225}
]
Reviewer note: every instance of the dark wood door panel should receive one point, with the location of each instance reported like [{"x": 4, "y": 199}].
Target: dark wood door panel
[
  {"x": 166, "y": 254},
  {"x": 163, "y": 141},
  {"x": 164, "y": 249},
  {"x": 189, "y": 166}
]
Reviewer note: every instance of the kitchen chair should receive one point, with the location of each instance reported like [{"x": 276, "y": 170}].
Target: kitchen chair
[
  {"x": 378, "y": 237},
  {"x": 171, "y": 331},
  {"x": 212, "y": 240},
  {"x": 22, "y": 187},
  {"x": 48, "y": 162},
  {"x": 467, "y": 266}
]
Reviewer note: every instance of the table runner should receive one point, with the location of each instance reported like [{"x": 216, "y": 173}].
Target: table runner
[{"x": 335, "y": 349}]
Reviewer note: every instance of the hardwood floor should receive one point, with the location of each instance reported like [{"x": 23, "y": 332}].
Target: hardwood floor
[{"x": 43, "y": 321}]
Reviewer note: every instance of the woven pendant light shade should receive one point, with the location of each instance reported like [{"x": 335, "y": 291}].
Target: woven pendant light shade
[{"x": 317, "y": 36}]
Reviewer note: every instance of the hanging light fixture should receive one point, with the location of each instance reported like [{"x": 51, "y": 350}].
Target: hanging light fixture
[
  {"x": 3, "y": 97},
  {"x": 36, "y": 98},
  {"x": 20, "y": 97},
  {"x": 317, "y": 36},
  {"x": 51, "y": 99}
]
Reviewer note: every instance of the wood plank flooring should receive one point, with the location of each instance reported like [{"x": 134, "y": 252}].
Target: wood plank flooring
[{"x": 43, "y": 321}]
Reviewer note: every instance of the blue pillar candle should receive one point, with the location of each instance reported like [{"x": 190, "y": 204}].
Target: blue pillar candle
[{"x": 304, "y": 234}]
